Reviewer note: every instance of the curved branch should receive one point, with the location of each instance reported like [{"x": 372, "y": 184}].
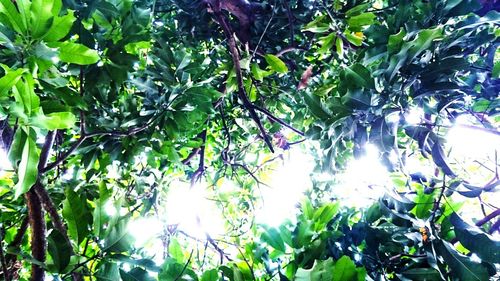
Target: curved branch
[{"x": 241, "y": 88}]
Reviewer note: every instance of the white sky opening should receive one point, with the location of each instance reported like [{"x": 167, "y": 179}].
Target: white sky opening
[
  {"x": 192, "y": 210},
  {"x": 363, "y": 181},
  {"x": 287, "y": 185},
  {"x": 4, "y": 161},
  {"x": 473, "y": 150}
]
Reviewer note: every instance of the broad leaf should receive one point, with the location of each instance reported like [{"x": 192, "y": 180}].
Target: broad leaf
[
  {"x": 60, "y": 27},
  {"x": 76, "y": 214},
  {"x": 272, "y": 237},
  {"x": 276, "y": 63},
  {"x": 59, "y": 250},
  {"x": 28, "y": 167},
  {"x": 54, "y": 121},
  {"x": 474, "y": 239},
  {"x": 75, "y": 53},
  {"x": 462, "y": 267},
  {"x": 344, "y": 270}
]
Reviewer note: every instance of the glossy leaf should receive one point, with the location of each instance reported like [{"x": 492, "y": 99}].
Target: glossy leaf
[
  {"x": 75, "y": 53},
  {"x": 28, "y": 167},
  {"x": 462, "y": 267},
  {"x": 76, "y": 214},
  {"x": 477, "y": 241},
  {"x": 344, "y": 269},
  {"x": 59, "y": 250},
  {"x": 276, "y": 63}
]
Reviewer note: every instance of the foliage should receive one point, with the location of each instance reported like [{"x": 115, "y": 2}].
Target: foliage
[{"x": 106, "y": 105}]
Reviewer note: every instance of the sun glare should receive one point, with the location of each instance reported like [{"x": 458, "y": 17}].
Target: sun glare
[
  {"x": 286, "y": 187},
  {"x": 4, "y": 161},
  {"x": 363, "y": 181},
  {"x": 474, "y": 150},
  {"x": 191, "y": 209}
]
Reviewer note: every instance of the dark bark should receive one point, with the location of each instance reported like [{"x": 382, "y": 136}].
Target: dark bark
[{"x": 38, "y": 241}]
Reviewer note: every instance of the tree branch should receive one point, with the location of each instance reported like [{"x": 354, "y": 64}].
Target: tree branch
[
  {"x": 489, "y": 217},
  {"x": 38, "y": 242},
  {"x": 277, "y": 120},
  {"x": 241, "y": 88},
  {"x": 3, "y": 260},
  {"x": 84, "y": 136}
]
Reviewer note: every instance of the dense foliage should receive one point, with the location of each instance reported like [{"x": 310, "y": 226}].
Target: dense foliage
[{"x": 106, "y": 105}]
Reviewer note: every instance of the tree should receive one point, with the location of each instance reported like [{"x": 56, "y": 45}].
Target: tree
[{"x": 103, "y": 104}]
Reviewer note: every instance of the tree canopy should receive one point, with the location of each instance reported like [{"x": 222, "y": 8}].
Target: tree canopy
[{"x": 107, "y": 107}]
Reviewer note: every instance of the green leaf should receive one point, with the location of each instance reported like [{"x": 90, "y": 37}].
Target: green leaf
[
  {"x": 326, "y": 43},
  {"x": 41, "y": 17},
  {"x": 272, "y": 237},
  {"x": 17, "y": 147},
  {"x": 353, "y": 38},
  {"x": 175, "y": 250},
  {"x": 357, "y": 99},
  {"x": 210, "y": 275},
  {"x": 118, "y": 239},
  {"x": 59, "y": 250},
  {"x": 54, "y": 121},
  {"x": 28, "y": 167},
  {"x": 321, "y": 271},
  {"x": 76, "y": 214},
  {"x": 496, "y": 70},
  {"x": 462, "y": 267},
  {"x": 473, "y": 238},
  {"x": 108, "y": 271},
  {"x": 136, "y": 274},
  {"x": 422, "y": 274},
  {"x": 276, "y": 63},
  {"x": 24, "y": 94},
  {"x": 358, "y": 75},
  {"x": 60, "y": 27},
  {"x": 171, "y": 270},
  {"x": 357, "y": 10},
  {"x": 395, "y": 42},
  {"x": 317, "y": 25},
  {"x": 344, "y": 270},
  {"x": 324, "y": 214},
  {"x": 14, "y": 19},
  {"x": 75, "y": 53},
  {"x": 10, "y": 79},
  {"x": 440, "y": 159},
  {"x": 314, "y": 104},
  {"x": 356, "y": 22}
]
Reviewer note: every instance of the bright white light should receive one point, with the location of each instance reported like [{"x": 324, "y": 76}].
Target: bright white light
[
  {"x": 144, "y": 230},
  {"x": 363, "y": 180},
  {"x": 473, "y": 149},
  {"x": 191, "y": 209},
  {"x": 415, "y": 116},
  {"x": 4, "y": 161},
  {"x": 286, "y": 188},
  {"x": 393, "y": 117},
  {"x": 110, "y": 209},
  {"x": 55, "y": 59}
]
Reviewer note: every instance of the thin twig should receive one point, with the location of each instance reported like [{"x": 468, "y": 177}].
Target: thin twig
[{"x": 185, "y": 266}]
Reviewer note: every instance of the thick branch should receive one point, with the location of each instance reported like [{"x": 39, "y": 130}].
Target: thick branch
[
  {"x": 239, "y": 76},
  {"x": 489, "y": 217},
  {"x": 15, "y": 244},
  {"x": 38, "y": 242},
  {"x": 3, "y": 261}
]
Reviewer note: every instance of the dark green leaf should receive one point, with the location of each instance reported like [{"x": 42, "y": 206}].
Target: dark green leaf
[
  {"x": 59, "y": 250},
  {"x": 484, "y": 245}
]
